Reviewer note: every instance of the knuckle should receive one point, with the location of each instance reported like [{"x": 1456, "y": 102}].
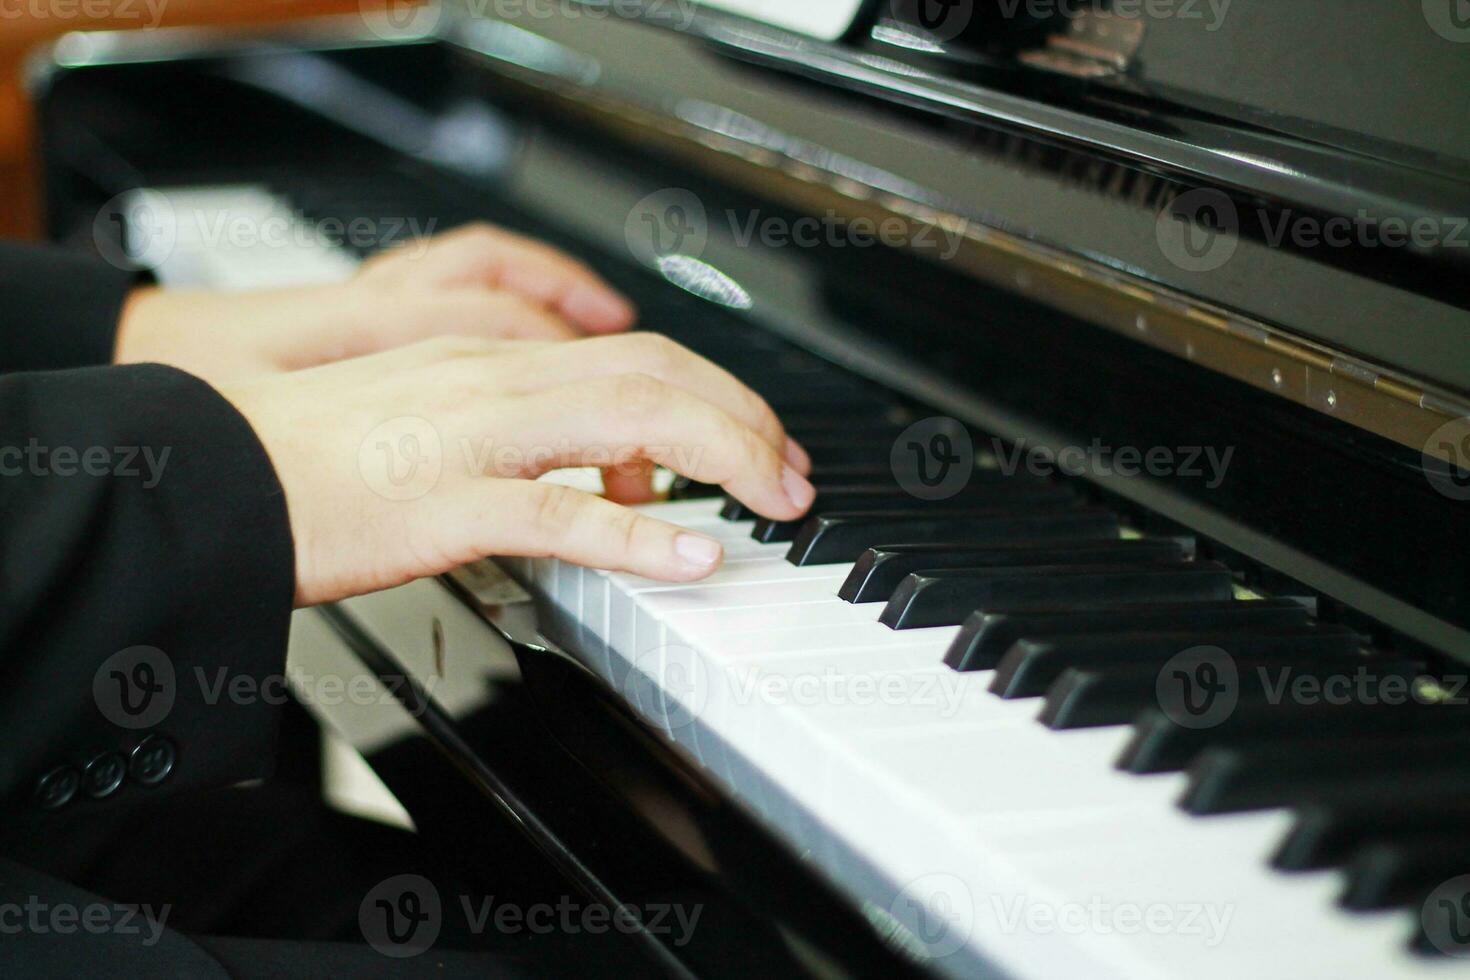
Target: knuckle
[
  {"x": 752, "y": 456},
  {"x": 653, "y": 353},
  {"x": 625, "y": 526},
  {"x": 557, "y": 509},
  {"x": 765, "y": 416},
  {"x": 480, "y": 231},
  {"x": 459, "y": 346},
  {"x": 639, "y": 396},
  {"x": 501, "y": 303}
]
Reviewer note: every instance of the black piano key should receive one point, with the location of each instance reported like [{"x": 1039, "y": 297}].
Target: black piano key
[
  {"x": 987, "y": 634},
  {"x": 1029, "y": 496},
  {"x": 946, "y": 596},
  {"x": 880, "y": 570},
  {"x": 1323, "y": 836},
  {"x": 1442, "y": 922},
  {"x": 843, "y": 537},
  {"x": 1386, "y": 873},
  {"x": 847, "y": 450},
  {"x": 1235, "y": 778},
  {"x": 1090, "y": 697},
  {"x": 1034, "y": 663},
  {"x": 687, "y": 489},
  {"x": 878, "y": 478},
  {"x": 878, "y": 483},
  {"x": 1161, "y": 744},
  {"x": 886, "y": 417}
]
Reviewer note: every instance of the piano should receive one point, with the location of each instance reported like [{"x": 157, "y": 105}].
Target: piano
[{"x": 1128, "y": 635}]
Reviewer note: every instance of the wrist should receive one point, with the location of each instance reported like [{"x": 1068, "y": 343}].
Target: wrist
[{"x": 139, "y": 308}]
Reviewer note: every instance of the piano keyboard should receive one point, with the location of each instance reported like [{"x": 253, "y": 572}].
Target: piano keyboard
[
  {"x": 953, "y": 708},
  {"x": 948, "y": 808}
]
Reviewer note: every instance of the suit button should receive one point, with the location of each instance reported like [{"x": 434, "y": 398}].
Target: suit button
[
  {"x": 152, "y": 760},
  {"x": 104, "y": 775},
  {"x": 56, "y": 789}
]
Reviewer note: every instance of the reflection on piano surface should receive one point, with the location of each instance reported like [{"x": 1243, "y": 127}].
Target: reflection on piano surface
[{"x": 1126, "y": 636}]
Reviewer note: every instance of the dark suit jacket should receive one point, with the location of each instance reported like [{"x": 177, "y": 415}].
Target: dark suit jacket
[{"x": 146, "y": 563}]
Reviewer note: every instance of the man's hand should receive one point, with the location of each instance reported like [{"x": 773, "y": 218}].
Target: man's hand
[
  {"x": 413, "y": 462},
  {"x": 476, "y": 281}
]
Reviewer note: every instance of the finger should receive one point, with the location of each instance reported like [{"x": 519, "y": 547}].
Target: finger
[
  {"x": 532, "y": 519},
  {"x": 509, "y": 316},
  {"x": 489, "y": 256},
  {"x": 629, "y": 482},
  {"x": 533, "y": 369},
  {"x": 473, "y": 313},
  {"x": 797, "y": 456},
  {"x": 404, "y": 362},
  {"x": 596, "y": 423}
]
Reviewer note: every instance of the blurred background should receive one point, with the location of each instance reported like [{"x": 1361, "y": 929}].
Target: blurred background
[{"x": 24, "y": 26}]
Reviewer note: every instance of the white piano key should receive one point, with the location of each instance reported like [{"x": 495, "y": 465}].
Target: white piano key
[
  {"x": 810, "y": 639},
  {"x": 750, "y": 619},
  {"x": 738, "y": 573}
]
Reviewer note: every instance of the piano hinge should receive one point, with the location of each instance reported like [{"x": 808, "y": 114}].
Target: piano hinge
[{"x": 1094, "y": 44}]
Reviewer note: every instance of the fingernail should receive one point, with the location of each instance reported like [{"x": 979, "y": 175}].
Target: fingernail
[
  {"x": 701, "y": 552},
  {"x": 799, "y": 459},
  {"x": 798, "y": 490},
  {"x": 591, "y": 305}
]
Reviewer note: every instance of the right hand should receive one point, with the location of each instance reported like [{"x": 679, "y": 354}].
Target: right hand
[{"x": 415, "y": 461}]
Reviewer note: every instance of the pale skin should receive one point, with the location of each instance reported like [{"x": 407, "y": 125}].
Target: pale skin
[{"x": 510, "y": 359}]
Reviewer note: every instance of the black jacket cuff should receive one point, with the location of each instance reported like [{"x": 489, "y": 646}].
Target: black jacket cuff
[{"x": 139, "y": 513}]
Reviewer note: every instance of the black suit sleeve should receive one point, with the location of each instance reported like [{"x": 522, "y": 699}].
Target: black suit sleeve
[
  {"x": 58, "y": 308},
  {"x": 146, "y": 586}
]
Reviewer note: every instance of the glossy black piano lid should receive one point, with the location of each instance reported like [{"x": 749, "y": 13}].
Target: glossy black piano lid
[
  {"x": 1370, "y": 75},
  {"x": 1334, "y": 181}
]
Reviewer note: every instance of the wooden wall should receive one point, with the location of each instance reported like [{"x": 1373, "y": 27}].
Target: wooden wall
[{"x": 24, "y": 24}]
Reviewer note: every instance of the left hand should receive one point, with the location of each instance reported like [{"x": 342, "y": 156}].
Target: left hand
[{"x": 476, "y": 281}]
